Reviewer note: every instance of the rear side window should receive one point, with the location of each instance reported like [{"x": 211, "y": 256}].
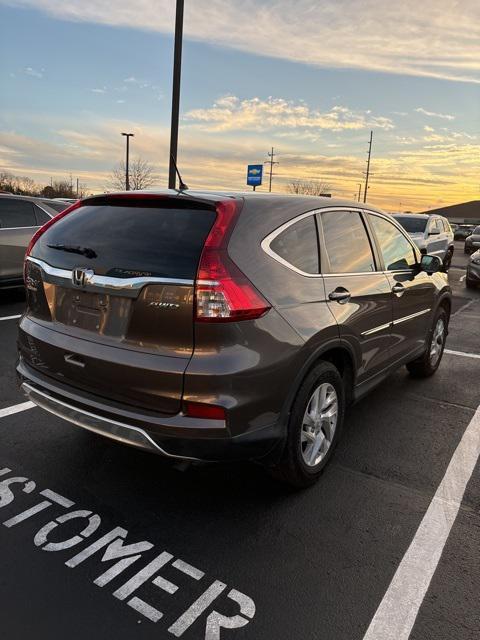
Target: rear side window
[
  {"x": 128, "y": 241},
  {"x": 347, "y": 244},
  {"x": 298, "y": 245},
  {"x": 16, "y": 213},
  {"x": 396, "y": 250},
  {"x": 56, "y": 206},
  {"x": 42, "y": 216}
]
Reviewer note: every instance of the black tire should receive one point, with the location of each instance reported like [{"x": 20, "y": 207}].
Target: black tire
[
  {"x": 292, "y": 469},
  {"x": 423, "y": 367},
  {"x": 470, "y": 284},
  {"x": 447, "y": 261}
]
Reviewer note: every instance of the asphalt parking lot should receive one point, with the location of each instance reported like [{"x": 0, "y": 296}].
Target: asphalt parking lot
[{"x": 224, "y": 551}]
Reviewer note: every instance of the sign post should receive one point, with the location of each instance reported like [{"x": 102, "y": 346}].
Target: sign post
[{"x": 254, "y": 175}]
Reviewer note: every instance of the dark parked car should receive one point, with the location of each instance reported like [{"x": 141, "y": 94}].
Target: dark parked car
[
  {"x": 472, "y": 278},
  {"x": 463, "y": 231},
  {"x": 472, "y": 242},
  {"x": 219, "y": 326},
  {"x": 20, "y": 217}
]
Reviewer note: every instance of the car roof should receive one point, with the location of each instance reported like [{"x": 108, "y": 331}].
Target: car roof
[
  {"x": 20, "y": 197},
  {"x": 249, "y": 196},
  {"x": 416, "y": 216}
]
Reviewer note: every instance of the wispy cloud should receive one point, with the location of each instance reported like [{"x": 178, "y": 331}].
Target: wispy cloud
[
  {"x": 230, "y": 113},
  {"x": 433, "y": 114},
  {"x": 99, "y": 90},
  {"x": 35, "y": 73},
  {"x": 437, "y": 38},
  {"x": 420, "y": 173}
]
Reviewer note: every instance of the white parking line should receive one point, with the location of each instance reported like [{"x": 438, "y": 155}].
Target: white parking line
[
  {"x": 16, "y": 408},
  {"x": 11, "y": 317},
  {"x": 463, "y": 278},
  {"x": 462, "y": 353},
  {"x": 399, "y": 608}
]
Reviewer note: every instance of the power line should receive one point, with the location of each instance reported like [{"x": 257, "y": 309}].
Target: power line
[
  {"x": 271, "y": 162},
  {"x": 367, "y": 175}
]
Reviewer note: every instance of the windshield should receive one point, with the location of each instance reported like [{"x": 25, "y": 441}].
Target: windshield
[{"x": 412, "y": 225}]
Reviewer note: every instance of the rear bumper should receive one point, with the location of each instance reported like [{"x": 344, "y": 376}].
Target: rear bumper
[{"x": 178, "y": 436}]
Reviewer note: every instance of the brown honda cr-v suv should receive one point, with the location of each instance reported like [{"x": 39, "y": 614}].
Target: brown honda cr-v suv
[{"x": 213, "y": 326}]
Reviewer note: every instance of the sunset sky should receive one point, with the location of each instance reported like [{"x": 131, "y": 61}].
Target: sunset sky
[{"x": 309, "y": 78}]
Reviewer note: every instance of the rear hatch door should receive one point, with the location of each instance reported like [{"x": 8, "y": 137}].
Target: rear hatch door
[{"x": 114, "y": 280}]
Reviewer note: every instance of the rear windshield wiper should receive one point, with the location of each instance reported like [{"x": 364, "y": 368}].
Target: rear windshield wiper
[{"x": 83, "y": 251}]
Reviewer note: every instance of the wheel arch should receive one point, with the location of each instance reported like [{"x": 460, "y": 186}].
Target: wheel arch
[{"x": 337, "y": 352}]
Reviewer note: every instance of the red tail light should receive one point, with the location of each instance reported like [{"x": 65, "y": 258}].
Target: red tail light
[
  {"x": 48, "y": 224},
  {"x": 222, "y": 292}
]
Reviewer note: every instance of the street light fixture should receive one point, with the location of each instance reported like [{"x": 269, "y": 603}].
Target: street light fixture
[
  {"x": 127, "y": 177},
  {"x": 177, "y": 70}
]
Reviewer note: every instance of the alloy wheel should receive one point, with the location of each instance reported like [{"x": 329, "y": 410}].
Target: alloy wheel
[
  {"x": 438, "y": 339},
  {"x": 319, "y": 424}
]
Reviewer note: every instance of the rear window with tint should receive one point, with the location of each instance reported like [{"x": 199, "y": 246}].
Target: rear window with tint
[
  {"x": 298, "y": 245},
  {"x": 128, "y": 241}
]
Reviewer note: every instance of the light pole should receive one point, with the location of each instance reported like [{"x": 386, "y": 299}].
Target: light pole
[
  {"x": 359, "y": 191},
  {"x": 177, "y": 72},
  {"x": 127, "y": 177}
]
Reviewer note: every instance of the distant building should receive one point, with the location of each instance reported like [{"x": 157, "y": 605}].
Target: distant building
[{"x": 464, "y": 213}]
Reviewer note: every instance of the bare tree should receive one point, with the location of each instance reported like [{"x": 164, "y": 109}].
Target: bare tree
[
  {"x": 309, "y": 187},
  {"x": 141, "y": 175},
  {"x": 19, "y": 185}
]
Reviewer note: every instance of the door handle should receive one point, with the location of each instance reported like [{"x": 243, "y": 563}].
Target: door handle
[
  {"x": 398, "y": 288},
  {"x": 340, "y": 295}
]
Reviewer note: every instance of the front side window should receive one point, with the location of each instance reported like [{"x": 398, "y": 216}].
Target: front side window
[
  {"x": 298, "y": 245},
  {"x": 396, "y": 250},
  {"x": 346, "y": 242},
  {"x": 16, "y": 213}
]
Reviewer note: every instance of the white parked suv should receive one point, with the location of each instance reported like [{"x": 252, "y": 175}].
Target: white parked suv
[{"x": 432, "y": 234}]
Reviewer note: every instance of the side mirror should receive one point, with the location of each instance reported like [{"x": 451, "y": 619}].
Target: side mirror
[
  {"x": 434, "y": 232},
  {"x": 430, "y": 264}
]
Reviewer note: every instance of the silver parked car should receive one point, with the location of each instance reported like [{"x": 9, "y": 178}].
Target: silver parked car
[
  {"x": 432, "y": 234},
  {"x": 20, "y": 217}
]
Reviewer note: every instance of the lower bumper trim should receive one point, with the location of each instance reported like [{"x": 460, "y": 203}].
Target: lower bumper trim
[{"x": 119, "y": 431}]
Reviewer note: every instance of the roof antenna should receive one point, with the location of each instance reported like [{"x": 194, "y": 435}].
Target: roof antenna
[{"x": 182, "y": 185}]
